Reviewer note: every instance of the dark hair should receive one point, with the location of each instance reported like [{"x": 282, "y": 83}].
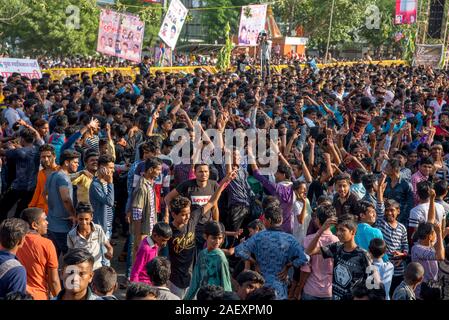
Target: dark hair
[
  {"x": 68, "y": 155},
  {"x": 250, "y": 276},
  {"x": 214, "y": 228},
  {"x": 262, "y": 294},
  {"x": 270, "y": 201},
  {"x": 423, "y": 231},
  {"x": 84, "y": 207},
  {"x": 348, "y": 221},
  {"x": 395, "y": 164},
  {"x": 423, "y": 189},
  {"x": 31, "y": 215},
  {"x": 12, "y": 232},
  {"x": 413, "y": 272},
  {"x": 179, "y": 203},
  {"x": 47, "y": 147},
  {"x": 357, "y": 175},
  {"x": 104, "y": 279},
  {"x": 256, "y": 224},
  {"x": 341, "y": 177},
  {"x": 18, "y": 296},
  {"x": 360, "y": 291},
  {"x": 140, "y": 290},
  {"x": 427, "y": 160},
  {"x": 440, "y": 187},
  {"x": 296, "y": 184},
  {"x": 197, "y": 165},
  {"x": 104, "y": 159},
  {"x": 392, "y": 203},
  {"x": 77, "y": 256},
  {"x": 152, "y": 163},
  {"x": 163, "y": 230},
  {"x": 362, "y": 207},
  {"x": 274, "y": 214},
  {"x": 210, "y": 293},
  {"x": 158, "y": 270},
  {"x": 368, "y": 181},
  {"x": 431, "y": 290},
  {"x": 89, "y": 153},
  {"x": 27, "y": 135},
  {"x": 282, "y": 168},
  {"x": 325, "y": 212},
  {"x": 377, "y": 247}
]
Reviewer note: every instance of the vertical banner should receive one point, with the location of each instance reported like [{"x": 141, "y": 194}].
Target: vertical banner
[
  {"x": 120, "y": 35},
  {"x": 252, "y": 22},
  {"x": 405, "y": 11},
  {"x": 173, "y": 22}
]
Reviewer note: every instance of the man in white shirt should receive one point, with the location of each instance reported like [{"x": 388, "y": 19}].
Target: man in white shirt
[{"x": 420, "y": 213}]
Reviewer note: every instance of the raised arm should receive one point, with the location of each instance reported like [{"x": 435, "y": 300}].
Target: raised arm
[
  {"x": 217, "y": 194},
  {"x": 313, "y": 247}
]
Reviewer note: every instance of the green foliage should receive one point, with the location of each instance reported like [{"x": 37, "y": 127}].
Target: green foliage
[
  {"x": 39, "y": 26},
  {"x": 43, "y": 28},
  {"x": 216, "y": 20},
  {"x": 348, "y": 21},
  {"x": 224, "y": 56}
]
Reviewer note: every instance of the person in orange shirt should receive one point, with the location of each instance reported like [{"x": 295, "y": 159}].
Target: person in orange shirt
[
  {"x": 48, "y": 162},
  {"x": 38, "y": 256}
]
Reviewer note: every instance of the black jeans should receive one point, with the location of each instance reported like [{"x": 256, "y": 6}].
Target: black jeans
[
  {"x": 395, "y": 282},
  {"x": 10, "y": 198},
  {"x": 59, "y": 239},
  {"x": 234, "y": 219}
]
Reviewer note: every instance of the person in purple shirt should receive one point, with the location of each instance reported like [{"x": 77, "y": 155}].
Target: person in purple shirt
[
  {"x": 13, "y": 277},
  {"x": 283, "y": 189}
]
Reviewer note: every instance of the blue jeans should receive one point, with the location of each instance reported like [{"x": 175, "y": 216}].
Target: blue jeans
[
  {"x": 59, "y": 239},
  {"x": 129, "y": 256}
]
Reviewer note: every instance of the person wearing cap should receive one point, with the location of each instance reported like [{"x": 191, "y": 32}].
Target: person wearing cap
[{"x": 144, "y": 66}]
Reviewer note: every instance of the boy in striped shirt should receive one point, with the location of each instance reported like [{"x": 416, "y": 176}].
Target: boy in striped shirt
[{"x": 394, "y": 233}]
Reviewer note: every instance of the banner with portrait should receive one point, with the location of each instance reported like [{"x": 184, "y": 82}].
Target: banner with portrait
[
  {"x": 252, "y": 22},
  {"x": 173, "y": 22},
  {"x": 120, "y": 35},
  {"x": 429, "y": 55},
  {"x": 405, "y": 11}
]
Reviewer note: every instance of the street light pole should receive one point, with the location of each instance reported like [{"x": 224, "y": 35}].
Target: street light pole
[{"x": 330, "y": 30}]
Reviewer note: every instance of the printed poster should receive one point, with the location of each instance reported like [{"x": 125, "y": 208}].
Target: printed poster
[
  {"x": 173, "y": 22},
  {"x": 120, "y": 35},
  {"x": 405, "y": 11},
  {"x": 252, "y": 22}
]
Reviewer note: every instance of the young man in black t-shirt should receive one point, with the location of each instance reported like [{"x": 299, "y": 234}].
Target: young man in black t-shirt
[
  {"x": 181, "y": 246},
  {"x": 351, "y": 263},
  {"x": 199, "y": 191}
]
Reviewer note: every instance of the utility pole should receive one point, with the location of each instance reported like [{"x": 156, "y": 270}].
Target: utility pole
[{"x": 330, "y": 30}]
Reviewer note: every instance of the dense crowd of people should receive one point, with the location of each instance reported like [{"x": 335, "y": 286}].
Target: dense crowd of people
[{"x": 355, "y": 207}]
